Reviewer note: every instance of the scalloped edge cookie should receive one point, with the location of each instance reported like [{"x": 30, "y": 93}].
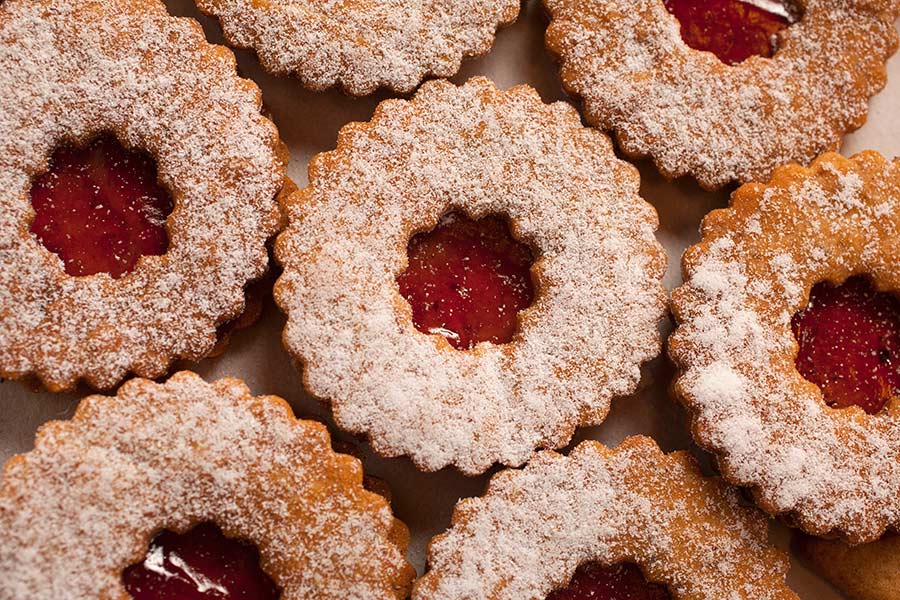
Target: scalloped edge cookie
[
  {"x": 695, "y": 115},
  {"x": 598, "y": 270},
  {"x": 85, "y": 503},
  {"x": 526, "y": 535},
  {"x": 828, "y": 471}
]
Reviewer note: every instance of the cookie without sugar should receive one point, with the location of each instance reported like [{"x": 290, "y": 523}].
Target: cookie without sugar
[{"x": 864, "y": 572}]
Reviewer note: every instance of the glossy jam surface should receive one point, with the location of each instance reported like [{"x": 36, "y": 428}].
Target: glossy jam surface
[
  {"x": 849, "y": 339},
  {"x": 100, "y": 208},
  {"x": 467, "y": 280},
  {"x": 731, "y": 29},
  {"x": 201, "y": 564},
  {"x": 618, "y": 582}
]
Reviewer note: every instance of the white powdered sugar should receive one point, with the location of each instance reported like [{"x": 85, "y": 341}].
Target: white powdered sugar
[
  {"x": 831, "y": 471},
  {"x": 362, "y": 45},
  {"x": 72, "y": 69},
  {"x": 695, "y": 115},
  {"x": 84, "y": 504},
  {"x": 532, "y": 528},
  {"x": 477, "y": 150}
]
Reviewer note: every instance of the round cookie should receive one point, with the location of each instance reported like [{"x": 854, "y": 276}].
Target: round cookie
[
  {"x": 824, "y": 240},
  {"x": 84, "y": 504},
  {"x": 696, "y": 115},
  {"x": 138, "y": 78},
  {"x": 484, "y": 153},
  {"x": 525, "y": 537}
]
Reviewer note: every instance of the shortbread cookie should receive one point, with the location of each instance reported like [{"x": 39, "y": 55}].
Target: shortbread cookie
[
  {"x": 788, "y": 343},
  {"x": 646, "y": 74},
  {"x": 611, "y": 518},
  {"x": 198, "y": 460},
  {"x": 470, "y": 276},
  {"x": 864, "y": 572},
  {"x": 139, "y": 186},
  {"x": 361, "y": 46}
]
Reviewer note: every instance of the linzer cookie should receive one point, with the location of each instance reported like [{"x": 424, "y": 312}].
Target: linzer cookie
[
  {"x": 724, "y": 90},
  {"x": 361, "y": 46},
  {"x": 625, "y": 523},
  {"x": 139, "y": 185},
  {"x": 470, "y": 276},
  {"x": 788, "y": 343},
  {"x": 193, "y": 490},
  {"x": 864, "y": 572}
]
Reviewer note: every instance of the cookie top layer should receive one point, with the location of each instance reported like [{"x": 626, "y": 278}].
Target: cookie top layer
[
  {"x": 479, "y": 151},
  {"x": 79, "y": 69},
  {"x": 695, "y": 115},
  {"x": 84, "y": 504},
  {"x": 532, "y": 528},
  {"x": 361, "y": 46},
  {"x": 830, "y": 471}
]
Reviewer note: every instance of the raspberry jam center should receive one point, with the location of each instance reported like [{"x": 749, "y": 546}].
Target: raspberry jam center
[
  {"x": 100, "y": 208},
  {"x": 849, "y": 339},
  {"x": 733, "y": 30},
  {"x": 467, "y": 280},
  {"x": 618, "y": 582},
  {"x": 201, "y": 564}
]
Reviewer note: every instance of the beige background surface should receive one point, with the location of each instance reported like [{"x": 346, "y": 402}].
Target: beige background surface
[{"x": 309, "y": 123}]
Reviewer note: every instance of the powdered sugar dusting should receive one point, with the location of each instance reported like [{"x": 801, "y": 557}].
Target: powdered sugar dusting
[
  {"x": 85, "y": 503},
  {"x": 75, "y": 69},
  {"x": 362, "y": 45},
  {"x": 831, "y": 471},
  {"x": 532, "y": 529},
  {"x": 476, "y": 150},
  {"x": 695, "y": 115}
]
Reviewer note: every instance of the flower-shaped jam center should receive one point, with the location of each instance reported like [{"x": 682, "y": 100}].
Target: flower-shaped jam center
[
  {"x": 467, "y": 280},
  {"x": 100, "y": 208},
  {"x": 593, "y": 581},
  {"x": 201, "y": 564},
  {"x": 849, "y": 339},
  {"x": 733, "y": 30}
]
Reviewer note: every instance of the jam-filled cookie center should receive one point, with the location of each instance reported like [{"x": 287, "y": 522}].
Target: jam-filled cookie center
[
  {"x": 467, "y": 280},
  {"x": 734, "y": 30},
  {"x": 849, "y": 344},
  {"x": 593, "y": 581},
  {"x": 100, "y": 208},
  {"x": 201, "y": 564}
]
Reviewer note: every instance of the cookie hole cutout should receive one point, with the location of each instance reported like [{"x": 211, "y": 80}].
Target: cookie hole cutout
[
  {"x": 467, "y": 280},
  {"x": 733, "y": 30},
  {"x": 201, "y": 564},
  {"x": 849, "y": 343},
  {"x": 593, "y": 581},
  {"x": 100, "y": 207}
]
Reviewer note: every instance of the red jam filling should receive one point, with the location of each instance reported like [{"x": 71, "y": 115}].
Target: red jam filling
[
  {"x": 100, "y": 208},
  {"x": 733, "y": 30},
  {"x": 201, "y": 564},
  {"x": 618, "y": 582},
  {"x": 849, "y": 338},
  {"x": 467, "y": 280}
]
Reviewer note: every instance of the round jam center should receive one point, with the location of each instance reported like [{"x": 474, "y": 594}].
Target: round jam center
[
  {"x": 100, "y": 208},
  {"x": 849, "y": 338},
  {"x": 467, "y": 280},
  {"x": 618, "y": 582},
  {"x": 201, "y": 564},
  {"x": 734, "y": 30}
]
